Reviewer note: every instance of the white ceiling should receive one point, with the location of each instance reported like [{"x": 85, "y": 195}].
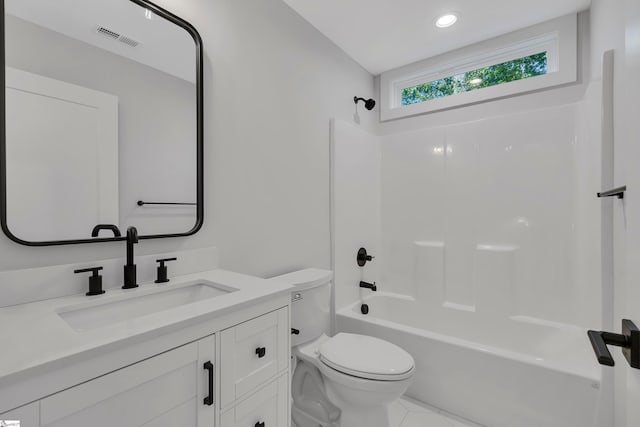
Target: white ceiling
[
  {"x": 163, "y": 45},
  {"x": 386, "y": 34}
]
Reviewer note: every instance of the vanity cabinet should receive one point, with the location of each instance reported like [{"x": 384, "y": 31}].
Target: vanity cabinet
[
  {"x": 254, "y": 362},
  {"x": 252, "y": 353},
  {"x": 169, "y": 386},
  {"x": 268, "y": 407},
  {"x": 237, "y": 376}
]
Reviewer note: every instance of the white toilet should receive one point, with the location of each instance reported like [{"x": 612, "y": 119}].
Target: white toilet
[{"x": 347, "y": 380}]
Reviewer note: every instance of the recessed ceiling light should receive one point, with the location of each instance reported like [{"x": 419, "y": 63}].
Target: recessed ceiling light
[{"x": 446, "y": 20}]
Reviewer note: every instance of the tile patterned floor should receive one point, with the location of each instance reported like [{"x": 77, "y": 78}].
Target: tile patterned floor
[{"x": 409, "y": 413}]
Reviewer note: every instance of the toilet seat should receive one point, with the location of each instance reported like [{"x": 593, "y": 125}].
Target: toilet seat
[{"x": 366, "y": 357}]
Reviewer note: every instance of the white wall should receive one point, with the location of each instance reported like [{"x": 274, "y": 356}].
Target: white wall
[
  {"x": 356, "y": 210},
  {"x": 272, "y": 82}
]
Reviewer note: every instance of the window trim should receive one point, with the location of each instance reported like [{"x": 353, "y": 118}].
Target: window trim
[{"x": 557, "y": 37}]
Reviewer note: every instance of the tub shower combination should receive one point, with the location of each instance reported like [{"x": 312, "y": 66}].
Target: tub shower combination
[{"x": 496, "y": 373}]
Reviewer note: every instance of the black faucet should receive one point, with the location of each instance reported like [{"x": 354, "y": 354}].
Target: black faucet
[
  {"x": 371, "y": 286},
  {"x": 130, "y": 268}
]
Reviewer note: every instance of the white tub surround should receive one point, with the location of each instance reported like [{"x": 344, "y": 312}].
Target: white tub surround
[
  {"x": 497, "y": 373},
  {"x": 42, "y": 354}
]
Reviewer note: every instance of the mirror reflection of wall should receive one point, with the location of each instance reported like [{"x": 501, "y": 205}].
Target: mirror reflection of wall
[{"x": 101, "y": 113}]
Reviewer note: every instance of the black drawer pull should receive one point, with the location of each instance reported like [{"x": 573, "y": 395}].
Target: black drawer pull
[
  {"x": 261, "y": 351},
  {"x": 209, "y": 399},
  {"x": 260, "y": 424}
]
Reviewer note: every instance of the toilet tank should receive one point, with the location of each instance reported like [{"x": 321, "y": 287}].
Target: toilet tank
[{"x": 310, "y": 303}]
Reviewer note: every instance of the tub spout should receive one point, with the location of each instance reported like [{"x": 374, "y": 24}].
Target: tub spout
[{"x": 371, "y": 286}]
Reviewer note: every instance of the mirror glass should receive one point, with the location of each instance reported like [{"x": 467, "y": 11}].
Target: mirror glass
[{"x": 102, "y": 126}]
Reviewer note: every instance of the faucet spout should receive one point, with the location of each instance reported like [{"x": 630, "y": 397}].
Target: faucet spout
[
  {"x": 130, "y": 274},
  {"x": 371, "y": 286}
]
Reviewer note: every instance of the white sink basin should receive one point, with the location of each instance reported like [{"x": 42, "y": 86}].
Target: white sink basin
[{"x": 139, "y": 303}]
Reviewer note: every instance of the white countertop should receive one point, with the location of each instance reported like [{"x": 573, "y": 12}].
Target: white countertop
[{"x": 34, "y": 335}]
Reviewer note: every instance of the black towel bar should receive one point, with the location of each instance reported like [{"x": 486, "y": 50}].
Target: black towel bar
[{"x": 141, "y": 203}]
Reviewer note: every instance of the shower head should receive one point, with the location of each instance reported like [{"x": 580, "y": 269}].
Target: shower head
[{"x": 368, "y": 103}]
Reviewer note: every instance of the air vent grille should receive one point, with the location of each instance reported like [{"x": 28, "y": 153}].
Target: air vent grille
[
  {"x": 108, "y": 33},
  {"x": 115, "y": 36},
  {"x": 129, "y": 41}
]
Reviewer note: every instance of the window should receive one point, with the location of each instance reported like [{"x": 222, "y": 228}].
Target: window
[
  {"x": 517, "y": 69},
  {"x": 531, "y": 59}
]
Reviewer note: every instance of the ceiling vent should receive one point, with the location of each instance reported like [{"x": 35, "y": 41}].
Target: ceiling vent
[{"x": 115, "y": 36}]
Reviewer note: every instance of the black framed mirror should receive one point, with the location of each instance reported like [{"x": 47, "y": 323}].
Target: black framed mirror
[{"x": 102, "y": 122}]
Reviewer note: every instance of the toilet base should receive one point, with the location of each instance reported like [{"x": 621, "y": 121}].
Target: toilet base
[
  {"x": 372, "y": 416},
  {"x": 300, "y": 418}
]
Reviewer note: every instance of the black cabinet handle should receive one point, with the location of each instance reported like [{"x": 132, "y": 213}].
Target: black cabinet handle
[
  {"x": 209, "y": 399},
  {"x": 261, "y": 351},
  {"x": 295, "y": 331},
  {"x": 260, "y": 424}
]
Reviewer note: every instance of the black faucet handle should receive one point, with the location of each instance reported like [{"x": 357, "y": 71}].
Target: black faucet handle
[
  {"x": 95, "y": 280},
  {"x": 162, "y": 270},
  {"x": 363, "y": 257},
  {"x": 93, "y": 270}
]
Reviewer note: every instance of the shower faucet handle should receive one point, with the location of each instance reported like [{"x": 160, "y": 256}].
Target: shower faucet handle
[{"x": 363, "y": 257}]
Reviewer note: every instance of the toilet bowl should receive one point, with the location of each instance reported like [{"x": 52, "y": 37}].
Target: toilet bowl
[{"x": 347, "y": 380}]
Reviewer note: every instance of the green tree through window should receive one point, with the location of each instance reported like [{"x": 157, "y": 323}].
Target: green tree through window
[{"x": 518, "y": 69}]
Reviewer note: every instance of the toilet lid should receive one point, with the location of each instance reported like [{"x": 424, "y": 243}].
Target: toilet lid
[{"x": 366, "y": 357}]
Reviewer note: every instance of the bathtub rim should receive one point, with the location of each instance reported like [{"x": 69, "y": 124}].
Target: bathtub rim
[{"x": 352, "y": 311}]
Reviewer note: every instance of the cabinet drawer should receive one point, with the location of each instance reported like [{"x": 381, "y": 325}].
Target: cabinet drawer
[
  {"x": 267, "y": 408},
  {"x": 252, "y": 353}
]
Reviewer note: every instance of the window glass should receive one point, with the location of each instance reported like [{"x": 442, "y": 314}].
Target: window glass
[{"x": 517, "y": 69}]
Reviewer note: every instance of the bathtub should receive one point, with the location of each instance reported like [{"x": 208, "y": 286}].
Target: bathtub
[{"x": 516, "y": 373}]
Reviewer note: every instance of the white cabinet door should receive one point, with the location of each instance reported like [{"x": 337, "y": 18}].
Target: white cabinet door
[
  {"x": 253, "y": 353},
  {"x": 168, "y": 389},
  {"x": 267, "y": 408},
  {"x": 26, "y": 416}
]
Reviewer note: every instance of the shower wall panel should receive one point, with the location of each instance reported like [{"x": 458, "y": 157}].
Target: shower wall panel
[{"x": 482, "y": 217}]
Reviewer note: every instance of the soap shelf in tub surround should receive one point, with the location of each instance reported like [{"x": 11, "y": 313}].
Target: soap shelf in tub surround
[{"x": 195, "y": 362}]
